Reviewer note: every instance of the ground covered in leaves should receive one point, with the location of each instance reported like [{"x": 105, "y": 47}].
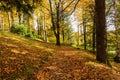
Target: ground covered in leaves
[{"x": 27, "y": 59}]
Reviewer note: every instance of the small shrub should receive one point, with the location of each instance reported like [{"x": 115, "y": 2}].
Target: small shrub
[
  {"x": 32, "y": 34},
  {"x": 40, "y": 37},
  {"x": 29, "y": 35},
  {"x": 19, "y": 29}
]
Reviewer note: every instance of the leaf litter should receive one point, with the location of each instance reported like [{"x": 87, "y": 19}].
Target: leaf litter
[{"x": 24, "y": 59}]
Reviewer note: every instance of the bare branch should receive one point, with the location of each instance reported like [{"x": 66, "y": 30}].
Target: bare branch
[
  {"x": 68, "y": 5},
  {"x": 45, "y": 7},
  {"x": 74, "y": 8},
  {"x": 107, "y": 12}
]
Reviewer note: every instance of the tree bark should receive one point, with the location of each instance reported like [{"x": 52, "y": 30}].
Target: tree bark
[
  {"x": 101, "y": 37},
  {"x": 84, "y": 30},
  {"x": 58, "y": 25}
]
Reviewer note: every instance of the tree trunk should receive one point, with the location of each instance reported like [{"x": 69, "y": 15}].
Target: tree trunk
[
  {"x": 19, "y": 17},
  {"x": 62, "y": 20},
  {"x": 78, "y": 43},
  {"x": 94, "y": 34},
  {"x": 2, "y": 22},
  {"x": 63, "y": 36},
  {"x": 84, "y": 29},
  {"x": 58, "y": 25},
  {"x": 101, "y": 37},
  {"x": 12, "y": 18},
  {"x": 58, "y": 39},
  {"x": 9, "y": 21},
  {"x": 44, "y": 29},
  {"x": 55, "y": 25},
  {"x": 38, "y": 26}
]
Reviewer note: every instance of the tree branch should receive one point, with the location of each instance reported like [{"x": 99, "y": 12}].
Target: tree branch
[
  {"x": 68, "y": 5},
  {"x": 74, "y": 8}
]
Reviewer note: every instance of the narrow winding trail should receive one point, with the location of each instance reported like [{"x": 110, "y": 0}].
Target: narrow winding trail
[
  {"x": 63, "y": 65},
  {"x": 66, "y": 65}
]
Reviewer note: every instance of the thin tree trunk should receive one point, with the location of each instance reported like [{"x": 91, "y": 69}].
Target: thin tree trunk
[
  {"x": 84, "y": 29},
  {"x": 44, "y": 29},
  {"x": 19, "y": 17},
  {"x": 101, "y": 37},
  {"x": 3, "y": 22},
  {"x": 63, "y": 35},
  {"x": 94, "y": 34},
  {"x": 12, "y": 18},
  {"x": 78, "y": 35},
  {"x": 81, "y": 32},
  {"x": 38, "y": 25},
  {"x": 62, "y": 20},
  {"x": 9, "y": 22}
]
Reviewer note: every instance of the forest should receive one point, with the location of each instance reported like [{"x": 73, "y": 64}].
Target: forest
[{"x": 59, "y": 39}]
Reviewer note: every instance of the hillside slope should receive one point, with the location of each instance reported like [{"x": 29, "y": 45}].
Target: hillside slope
[{"x": 27, "y": 59}]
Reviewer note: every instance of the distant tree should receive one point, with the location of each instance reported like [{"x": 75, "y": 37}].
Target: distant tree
[
  {"x": 68, "y": 32},
  {"x": 92, "y": 14},
  {"x": 85, "y": 16},
  {"x": 23, "y": 8},
  {"x": 57, "y": 11}
]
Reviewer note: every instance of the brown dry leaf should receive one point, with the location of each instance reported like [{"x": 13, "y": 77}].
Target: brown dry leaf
[{"x": 23, "y": 60}]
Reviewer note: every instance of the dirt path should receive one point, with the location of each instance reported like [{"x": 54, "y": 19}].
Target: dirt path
[{"x": 66, "y": 65}]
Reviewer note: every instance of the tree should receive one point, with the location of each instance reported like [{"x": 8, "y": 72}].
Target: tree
[
  {"x": 57, "y": 10},
  {"x": 92, "y": 14},
  {"x": 101, "y": 37},
  {"x": 84, "y": 29},
  {"x": 85, "y": 16},
  {"x": 21, "y": 6},
  {"x": 7, "y": 6}
]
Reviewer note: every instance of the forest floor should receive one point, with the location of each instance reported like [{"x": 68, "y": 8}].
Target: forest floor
[{"x": 27, "y": 59}]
